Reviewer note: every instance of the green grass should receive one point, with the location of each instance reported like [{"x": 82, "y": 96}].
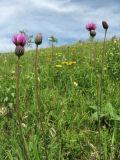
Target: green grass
[{"x": 68, "y": 95}]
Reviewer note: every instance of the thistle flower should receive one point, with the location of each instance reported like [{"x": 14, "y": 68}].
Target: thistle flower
[
  {"x": 38, "y": 39},
  {"x": 39, "y": 109},
  {"x": 105, "y": 25},
  {"x": 90, "y": 26},
  {"x": 93, "y": 33},
  {"x": 19, "y": 39}
]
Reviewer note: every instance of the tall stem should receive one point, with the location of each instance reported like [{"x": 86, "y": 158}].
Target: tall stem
[
  {"x": 98, "y": 115},
  {"x": 39, "y": 109},
  {"x": 95, "y": 57},
  {"x": 23, "y": 144},
  {"x": 102, "y": 74},
  {"x": 100, "y": 91},
  {"x": 91, "y": 63},
  {"x": 17, "y": 93},
  {"x": 36, "y": 79}
]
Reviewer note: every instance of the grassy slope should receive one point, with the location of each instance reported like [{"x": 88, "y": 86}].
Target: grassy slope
[{"x": 68, "y": 95}]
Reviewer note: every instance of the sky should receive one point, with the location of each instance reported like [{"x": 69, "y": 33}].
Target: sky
[{"x": 65, "y": 19}]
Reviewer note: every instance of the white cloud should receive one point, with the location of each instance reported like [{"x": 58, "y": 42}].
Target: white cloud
[
  {"x": 64, "y": 18},
  {"x": 62, "y": 6}
]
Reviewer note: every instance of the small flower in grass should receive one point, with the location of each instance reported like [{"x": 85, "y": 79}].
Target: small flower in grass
[
  {"x": 72, "y": 62},
  {"x": 91, "y": 26},
  {"x": 59, "y": 66},
  {"x": 13, "y": 72},
  {"x": 65, "y": 62},
  {"x": 75, "y": 83},
  {"x": 3, "y": 111},
  {"x": 69, "y": 62},
  {"x": 24, "y": 125},
  {"x": 38, "y": 39},
  {"x": 105, "y": 25}
]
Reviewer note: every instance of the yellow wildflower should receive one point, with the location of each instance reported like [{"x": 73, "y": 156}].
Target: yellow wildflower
[
  {"x": 65, "y": 62},
  {"x": 72, "y": 62},
  {"x": 58, "y": 66},
  {"x": 69, "y": 63},
  {"x": 75, "y": 84}
]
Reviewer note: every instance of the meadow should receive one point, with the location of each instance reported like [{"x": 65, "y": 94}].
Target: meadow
[{"x": 68, "y": 85}]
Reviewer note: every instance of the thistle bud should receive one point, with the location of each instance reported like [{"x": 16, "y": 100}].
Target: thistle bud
[
  {"x": 93, "y": 33},
  {"x": 105, "y": 25},
  {"x": 19, "y": 51},
  {"x": 38, "y": 39}
]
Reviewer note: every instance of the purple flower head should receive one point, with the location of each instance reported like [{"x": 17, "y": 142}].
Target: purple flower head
[
  {"x": 90, "y": 26},
  {"x": 38, "y": 39},
  {"x": 19, "y": 39}
]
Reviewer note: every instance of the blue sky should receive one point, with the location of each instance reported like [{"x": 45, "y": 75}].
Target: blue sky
[{"x": 65, "y": 19}]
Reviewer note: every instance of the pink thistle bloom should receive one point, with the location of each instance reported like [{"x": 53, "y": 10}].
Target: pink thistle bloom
[
  {"x": 19, "y": 39},
  {"x": 90, "y": 26}
]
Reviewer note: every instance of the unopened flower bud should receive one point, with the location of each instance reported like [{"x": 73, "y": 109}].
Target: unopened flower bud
[
  {"x": 105, "y": 25},
  {"x": 38, "y": 39},
  {"x": 93, "y": 33},
  {"x": 19, "y": 51}
]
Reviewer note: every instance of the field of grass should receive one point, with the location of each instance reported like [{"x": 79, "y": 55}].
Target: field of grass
[{"x": 69, "y": 94}]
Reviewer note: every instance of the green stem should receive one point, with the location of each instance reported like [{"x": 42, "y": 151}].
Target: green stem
[
  {"x": 21, "y": 138},
  {"x": 91, "y": 63},
  {"x": 100, "y": 92},
  {"x": 98, "y": 115},
  {"x": 39, "y": 109},
  {"x": 95, "y": 57},
  {"x": 17, "y": 93},
  {"x": 102, "y": 69}
]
